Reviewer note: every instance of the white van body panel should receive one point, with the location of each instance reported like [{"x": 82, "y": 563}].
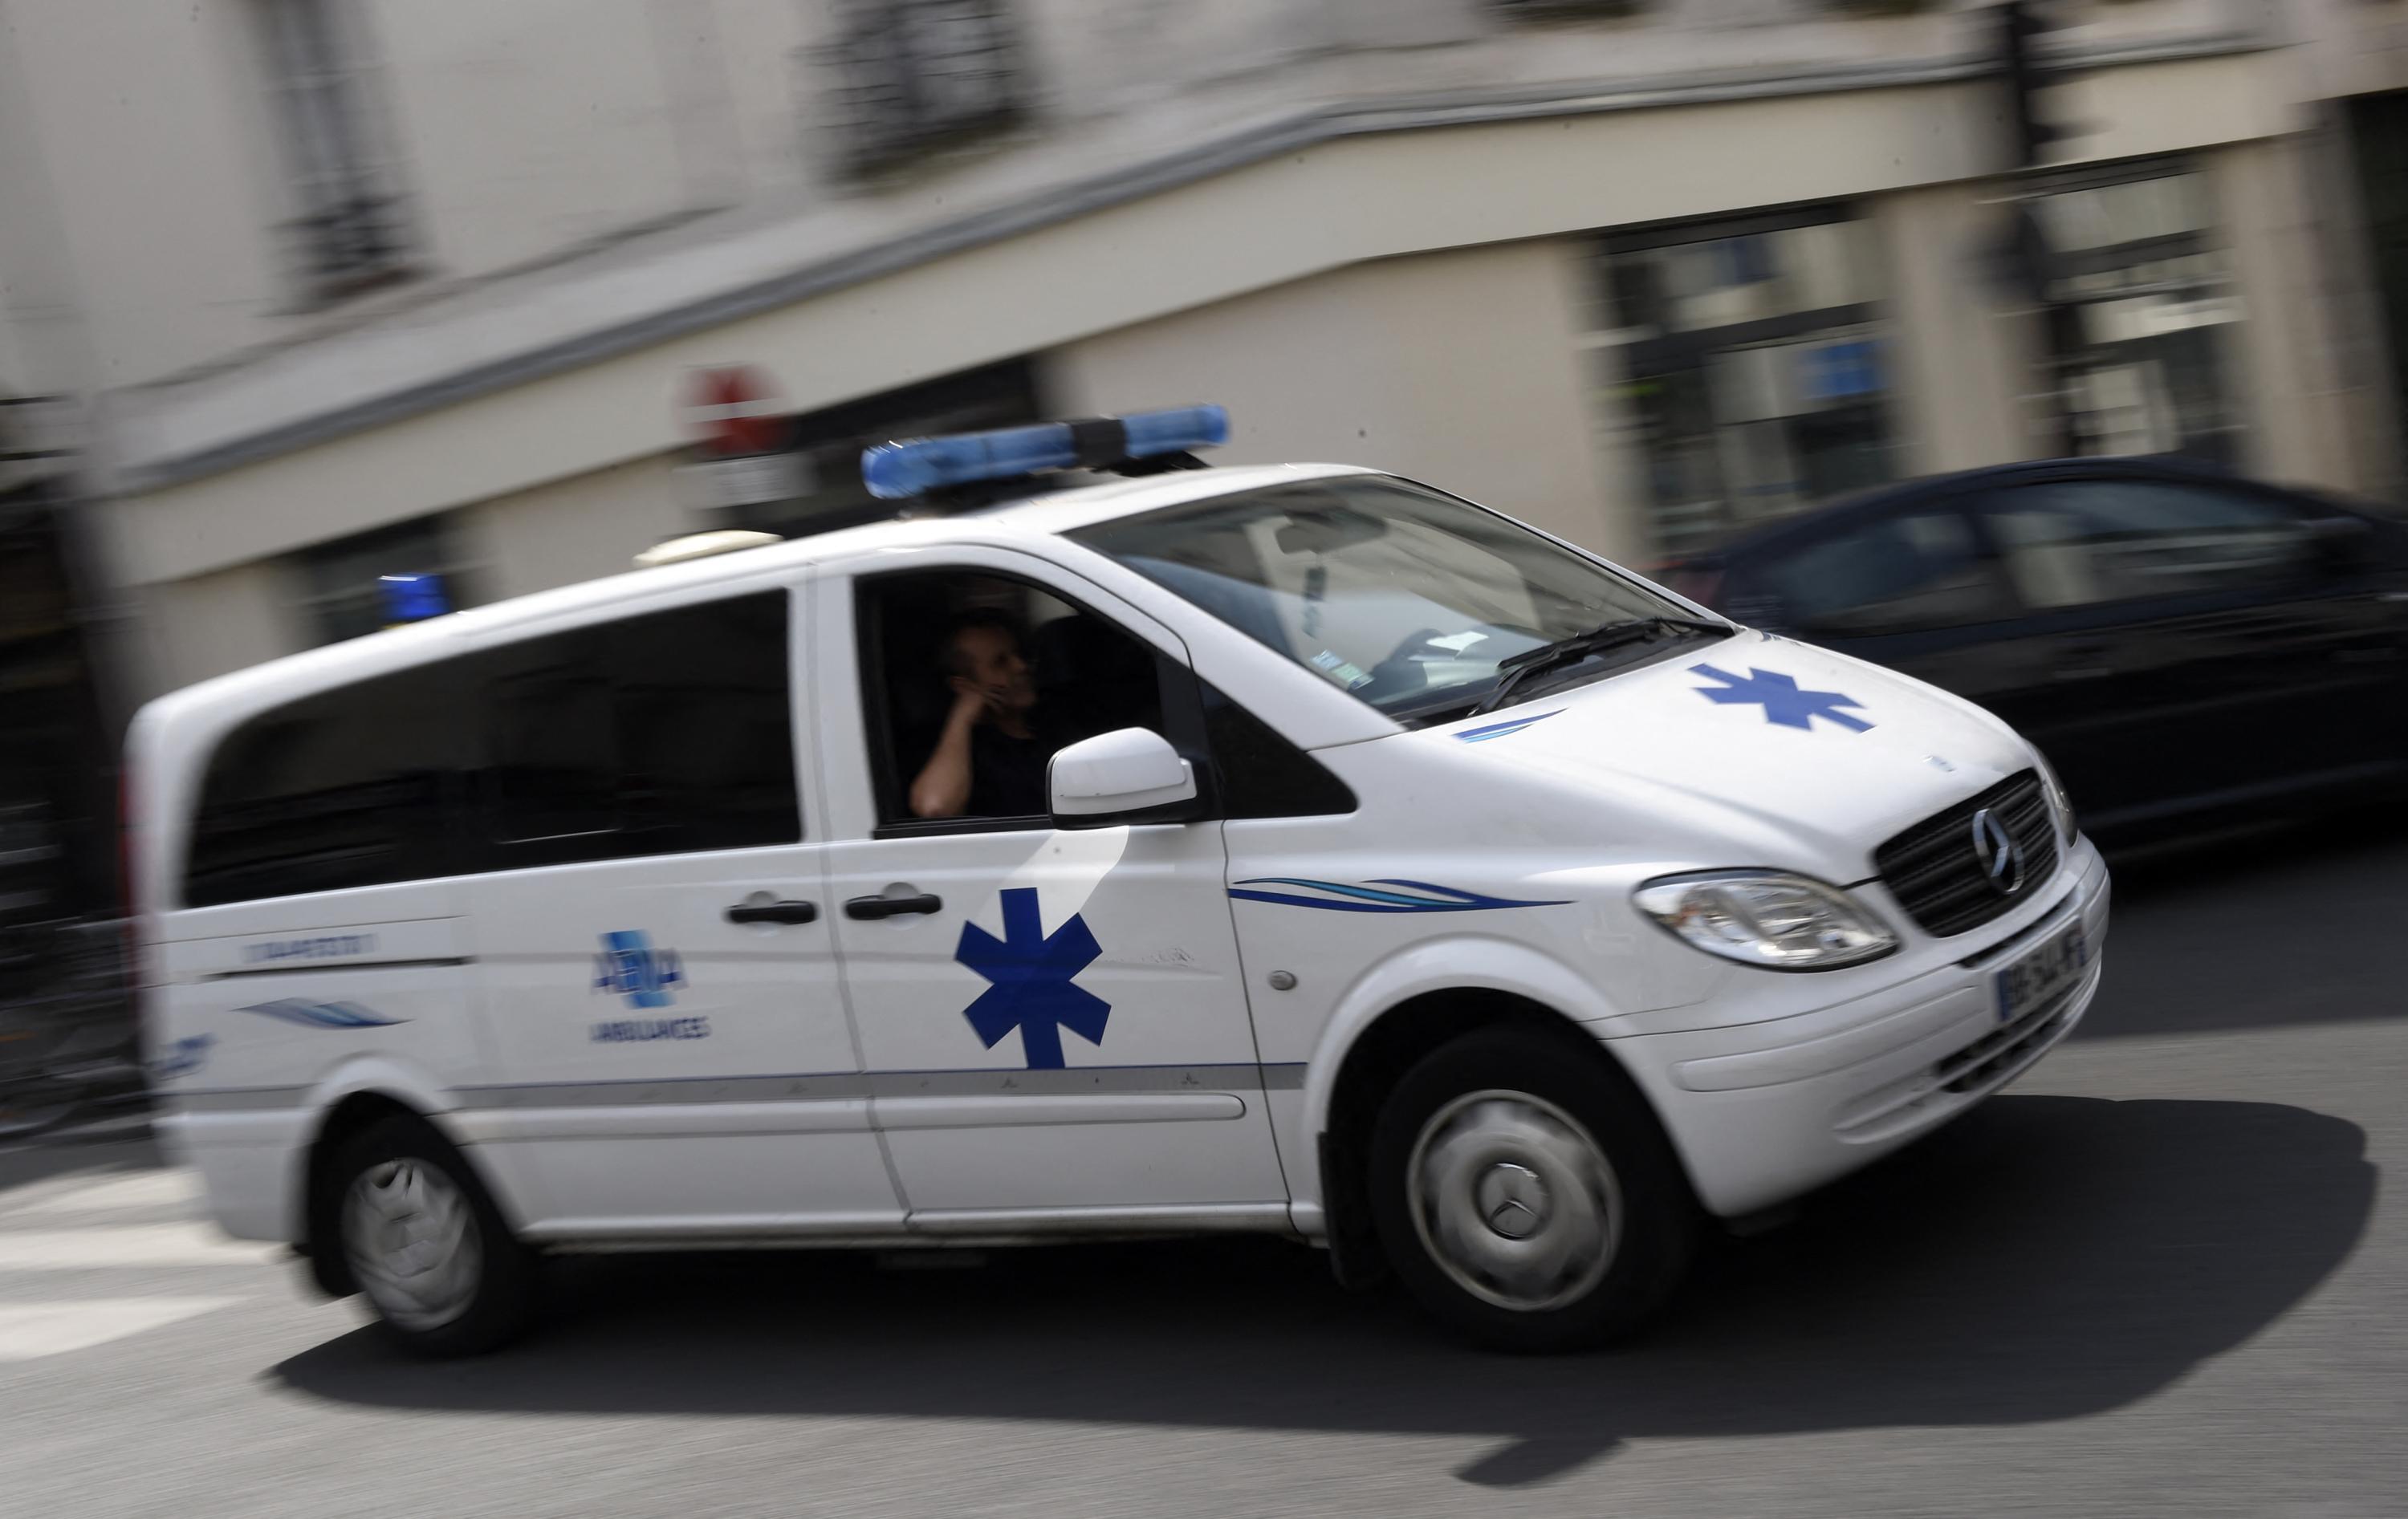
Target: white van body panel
[
  {"x": 841, "y": 1092},
  {"x": 1168, "y": 1111}
]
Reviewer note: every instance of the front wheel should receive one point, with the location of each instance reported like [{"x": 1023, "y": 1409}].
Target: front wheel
[
  {"x": 427, "y": 1245},
  {"x": 1524, "y": 1194}
]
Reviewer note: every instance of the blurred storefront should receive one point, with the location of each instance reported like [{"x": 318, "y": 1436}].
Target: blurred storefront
[
  {"x": 1749, "y": 354},
  {"x": 2376, "y": 131},
  {"x": 58, "y": 760},
  {"x": 824, "y": 489},
  {"x": 2136, "y": 249},
  {"x": 1644, "y": 281}
]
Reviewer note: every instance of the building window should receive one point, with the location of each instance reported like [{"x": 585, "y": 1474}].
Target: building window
[
  {"x": 1566, "y": 10},
  {"x": 347, "y": 228},
  {"x": 2133, "y": 255},
  {"x": 1749, "y": 357},
  {"x": 914, "y": 75},
  {"x": 343, "y": 592}
]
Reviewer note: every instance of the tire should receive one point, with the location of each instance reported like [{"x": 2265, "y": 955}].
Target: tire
[
  {"x": 1524, "y": 1194},
  {"x": 426, "y": 1245}
]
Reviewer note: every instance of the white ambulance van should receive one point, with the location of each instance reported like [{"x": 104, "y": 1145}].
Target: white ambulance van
[{"x": 1294, "y": 848}]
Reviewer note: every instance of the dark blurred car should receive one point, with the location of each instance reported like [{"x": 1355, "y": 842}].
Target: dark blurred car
[{"x": 2176, "y": 639}]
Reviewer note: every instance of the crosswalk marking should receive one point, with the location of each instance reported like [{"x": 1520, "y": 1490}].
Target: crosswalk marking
[
  {"x": 29, "y": 1331},
  {"x": 127, "y": 1244},
  {"x": 171, "y": 1190},
  {"x": 103, "y": 1235}
]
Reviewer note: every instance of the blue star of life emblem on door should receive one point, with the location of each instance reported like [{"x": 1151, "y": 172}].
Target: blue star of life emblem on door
[
  {"x": 1779, "y": 695},
  {"x": 1031, "y": 988}
]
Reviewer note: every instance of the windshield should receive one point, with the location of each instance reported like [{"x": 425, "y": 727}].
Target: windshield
[{"x": 1402, "y": 596}]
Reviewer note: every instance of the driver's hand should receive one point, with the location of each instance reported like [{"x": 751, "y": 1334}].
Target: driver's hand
[{"x": 972, "y": 702}]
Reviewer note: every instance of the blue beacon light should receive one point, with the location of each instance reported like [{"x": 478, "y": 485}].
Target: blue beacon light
[
  {"x": 895, "y": 471},
  {"x": 412, "y": 598}
]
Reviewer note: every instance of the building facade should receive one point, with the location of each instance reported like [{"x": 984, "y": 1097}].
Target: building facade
[{"x": 342, "y": 289}]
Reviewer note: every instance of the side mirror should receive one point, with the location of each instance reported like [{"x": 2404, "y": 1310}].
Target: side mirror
[{"x": 1115, "y": 777}]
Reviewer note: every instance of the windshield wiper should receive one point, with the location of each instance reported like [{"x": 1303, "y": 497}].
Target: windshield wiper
[{"x": 1604, "y": 638}]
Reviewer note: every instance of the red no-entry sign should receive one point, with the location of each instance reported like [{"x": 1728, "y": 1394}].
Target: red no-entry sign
[{"x": 733, "y": 409}]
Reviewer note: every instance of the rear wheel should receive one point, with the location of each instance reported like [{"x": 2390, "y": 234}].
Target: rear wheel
[
  {"x": 1524, "y": 1194},
  {"x": 427, "y": 1245}
]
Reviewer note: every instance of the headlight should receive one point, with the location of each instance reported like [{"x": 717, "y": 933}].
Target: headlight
[
  {"x": 2061, "y": 807},
  {"x": 1765, "y": 918}
]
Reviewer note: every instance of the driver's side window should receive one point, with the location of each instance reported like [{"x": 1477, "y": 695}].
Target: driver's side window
[{"x": 974, "y": 680}]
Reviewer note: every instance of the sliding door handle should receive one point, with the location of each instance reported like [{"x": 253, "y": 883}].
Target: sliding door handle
[{"x": 893, "y": 907}]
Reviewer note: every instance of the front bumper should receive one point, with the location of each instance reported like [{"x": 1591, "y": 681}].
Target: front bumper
[{"x": 1762, "y": 1111}]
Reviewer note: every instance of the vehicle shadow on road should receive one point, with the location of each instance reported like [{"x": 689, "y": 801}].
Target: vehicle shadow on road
[{"x": 2045, "y": 1258}]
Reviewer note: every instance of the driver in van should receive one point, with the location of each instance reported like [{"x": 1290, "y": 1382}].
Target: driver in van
[{"x": 991, "y": 760}]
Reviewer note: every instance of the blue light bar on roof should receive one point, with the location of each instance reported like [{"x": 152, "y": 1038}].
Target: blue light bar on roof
[{"x": 894, "y": 471}]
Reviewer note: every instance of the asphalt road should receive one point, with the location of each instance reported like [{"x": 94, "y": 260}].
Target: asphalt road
[{"x": 2154, "y": 1278}]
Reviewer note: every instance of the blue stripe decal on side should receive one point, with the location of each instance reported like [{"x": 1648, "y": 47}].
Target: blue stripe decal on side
[
  {"x": 1341, "y": 898},
  {"x": 1502, "y": 730},
  {"x": 320, "y": 1014}
]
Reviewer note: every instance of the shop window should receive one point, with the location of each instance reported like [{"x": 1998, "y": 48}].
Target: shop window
[
  {"x": 347, "y": 586},
  {"x": 1751, "y": 357},
  {"x": 2132, "y": 253}
]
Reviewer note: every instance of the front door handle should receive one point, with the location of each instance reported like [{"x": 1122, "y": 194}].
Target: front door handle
[
  {"x": 774, "y": 912},
  {"x": 893, "y": 907}
]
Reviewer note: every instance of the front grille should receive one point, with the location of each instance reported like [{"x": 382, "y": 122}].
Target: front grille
[{"x": 1936, "y": 874}]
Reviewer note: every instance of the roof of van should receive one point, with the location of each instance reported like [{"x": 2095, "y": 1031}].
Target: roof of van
[{"x": 1045, "y": 513}]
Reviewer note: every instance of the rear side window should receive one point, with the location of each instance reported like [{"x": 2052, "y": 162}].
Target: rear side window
[
  {"x": 352, "y": 787},
  {"x": 704, "y": 735},
  {"x": 2076, "y": 542},
  {"x": 662, "y": 734},
  {"x": 553, "y": 744}
]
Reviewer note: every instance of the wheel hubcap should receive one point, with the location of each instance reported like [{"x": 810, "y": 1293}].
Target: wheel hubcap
[
  {"x": 412, "y": 1237},
  {"x": 1515, "y": 1200}
]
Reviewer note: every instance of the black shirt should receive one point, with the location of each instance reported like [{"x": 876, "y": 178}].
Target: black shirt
[{"x": 1007, "y": 774}]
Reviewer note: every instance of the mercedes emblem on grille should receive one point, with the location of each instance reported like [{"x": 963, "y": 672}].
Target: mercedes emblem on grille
[{"x": 1996, "y": 850}]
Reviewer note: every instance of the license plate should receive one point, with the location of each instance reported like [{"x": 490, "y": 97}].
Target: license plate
[{"x": 2044, "y": 973}]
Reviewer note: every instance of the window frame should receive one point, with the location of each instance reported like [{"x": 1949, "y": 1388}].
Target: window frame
[
  {"x": 1182, "y": 707},
  {"x": 316, "y": 70}
]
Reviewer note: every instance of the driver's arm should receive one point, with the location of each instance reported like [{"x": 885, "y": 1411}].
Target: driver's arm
[{"x": 943, "y": 787}]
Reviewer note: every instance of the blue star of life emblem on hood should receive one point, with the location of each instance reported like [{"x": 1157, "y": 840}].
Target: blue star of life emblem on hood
[
  {"x": 1779, "y": 695},
  {"x": 1030, "y": 972}
]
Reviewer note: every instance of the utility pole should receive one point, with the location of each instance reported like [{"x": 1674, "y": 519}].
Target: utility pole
[{"x": 2030, "y": 136}]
